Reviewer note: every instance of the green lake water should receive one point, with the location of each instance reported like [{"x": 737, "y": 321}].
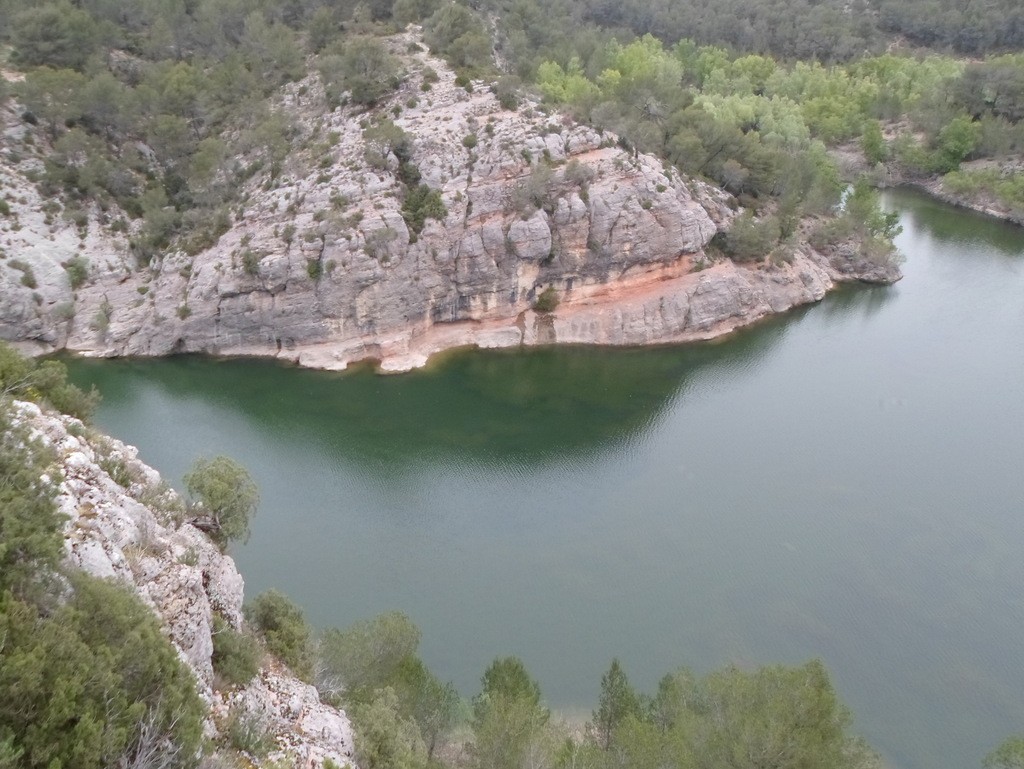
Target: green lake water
[{"x": 846, "y": 482}]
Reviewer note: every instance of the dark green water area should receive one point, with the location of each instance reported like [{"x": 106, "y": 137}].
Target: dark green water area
[{"x": 846, "y": 482}]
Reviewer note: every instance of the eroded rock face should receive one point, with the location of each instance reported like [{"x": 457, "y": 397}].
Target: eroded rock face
[
  {"x": 132, "y": 529},
  {"x": 322, "y": 269}
]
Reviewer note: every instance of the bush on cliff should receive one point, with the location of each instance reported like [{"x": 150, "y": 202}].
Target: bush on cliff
[
  {"x": 31, "y": 545},
  {"x": 87, "y": 678},
  {"x": 284, "y": 629},
  {"x": 749, "y": 239},
  {"x": 547, "y": 301},
  {"x": 422, "y": 203},
  {"x": 236, "y": 656},
  {"x": 90, "y": 682},
  {"x": 43, "y": 382}
]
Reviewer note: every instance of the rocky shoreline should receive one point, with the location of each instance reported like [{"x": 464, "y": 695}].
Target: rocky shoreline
[
  {"x": 981, "y": 204},
  {"x": 852, "y": 163},
  {"x": 671, "y": 305}
]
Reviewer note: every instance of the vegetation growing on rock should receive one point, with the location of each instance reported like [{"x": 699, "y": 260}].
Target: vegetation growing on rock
[
  {"x": 226, "y": 498},
  {"x": 87, "y": 679}
]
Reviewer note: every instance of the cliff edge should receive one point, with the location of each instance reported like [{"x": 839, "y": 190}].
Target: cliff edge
[
  {"x": 124, "y": 524},
  {"x": 327, "y": 262}
]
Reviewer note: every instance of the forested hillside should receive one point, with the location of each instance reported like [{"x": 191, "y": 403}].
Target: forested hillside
[
  {"x": 825, "y": 30},
  {"x": 159, "y": 113}
]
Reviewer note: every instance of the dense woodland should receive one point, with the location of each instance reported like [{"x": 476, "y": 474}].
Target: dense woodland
[
  {"x": 156, "y": 112},
  {"x": 159, "y": 113}
]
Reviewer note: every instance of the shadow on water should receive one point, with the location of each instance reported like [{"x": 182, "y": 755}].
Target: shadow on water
[{"x": 488, "y": 407}]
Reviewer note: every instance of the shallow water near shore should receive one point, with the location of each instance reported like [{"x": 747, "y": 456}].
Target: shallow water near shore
[{"x": 843, "y": 482}]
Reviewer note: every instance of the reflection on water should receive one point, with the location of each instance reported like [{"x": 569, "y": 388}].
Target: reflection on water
[
  {"x": 952, "y": 226},
  {"x": 843, "y": 483},
  {"x": 488, "y": 408}
]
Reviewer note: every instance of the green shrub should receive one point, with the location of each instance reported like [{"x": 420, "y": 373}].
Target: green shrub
[
  {"x": 45, "y": 382},
  {"x": 547, "y": 301},
  {"x": 251, "y": 262},
  {"x": 92, "y": 682},
  {"x": 31, "y": 544},
  {"x": 236, "y": 656},
  {"x": 284, "y": 629},
  {"x": 749, "y": 239},
  {"x": 536, "y": 191},
  {"x": 64, "y": 311},
  {"x": 422, "y": 203},
  {"x": 469, "y": 141},
  {"x": 78, "y": 271},
  {"x": 578, "y": 173},
  {"x": 378, "y": 242},
  {"x": 118, "y": 470},
  {"x": 507, "y": 91},
  {"x": 28, "y": 278},
  {"x": 247, "y": 733}
]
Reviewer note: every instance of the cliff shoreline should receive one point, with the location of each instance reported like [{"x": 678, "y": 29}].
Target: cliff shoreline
[
  {"x": 323, "y": 265},
  {"x": 674, "y": 304}
]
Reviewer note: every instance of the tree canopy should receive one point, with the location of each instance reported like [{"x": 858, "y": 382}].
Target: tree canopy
[{"x": 227, "y": 498}]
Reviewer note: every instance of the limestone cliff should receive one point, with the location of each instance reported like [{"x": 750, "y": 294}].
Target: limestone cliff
[
  {"x": 124, "y": 524},
  {"x": 321, "y": 268}
]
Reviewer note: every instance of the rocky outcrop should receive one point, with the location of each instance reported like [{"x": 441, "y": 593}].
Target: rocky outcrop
[
  {"x": 124, "y": 524},
  {"x": 320, "y": 267}
]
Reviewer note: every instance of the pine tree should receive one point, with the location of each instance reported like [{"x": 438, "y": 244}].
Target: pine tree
[{"x": 618, "y": 702}]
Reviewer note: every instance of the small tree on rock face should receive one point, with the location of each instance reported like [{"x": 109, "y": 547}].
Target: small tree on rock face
[{"x": 227, "y": 497}]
